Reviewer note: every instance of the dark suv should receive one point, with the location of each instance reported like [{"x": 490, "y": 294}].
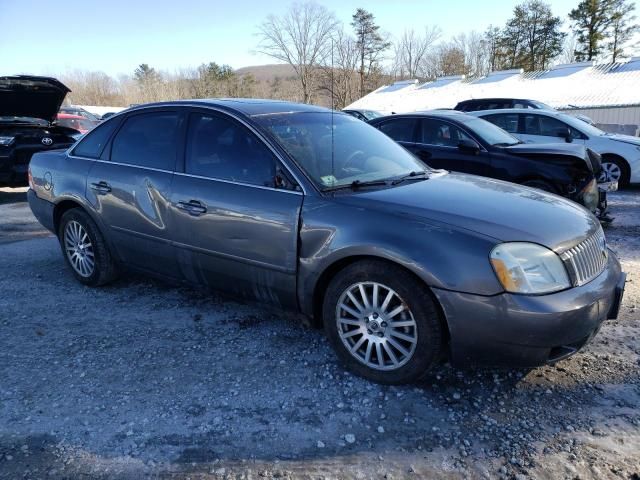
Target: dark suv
[{"x": 476, "y": 104}]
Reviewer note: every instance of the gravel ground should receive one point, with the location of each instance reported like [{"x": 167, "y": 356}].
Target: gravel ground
[{"x": 143, "y": 379}]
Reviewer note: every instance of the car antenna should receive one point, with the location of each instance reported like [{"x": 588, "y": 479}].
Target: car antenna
[{"x": 332, "y": 112}]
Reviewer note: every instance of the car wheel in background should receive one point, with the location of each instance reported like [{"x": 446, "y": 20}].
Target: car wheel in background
[
  {"x": 84, "y": 249},
  {"x": 382, "y": 322},
  {"x": 615, "y": 169}
]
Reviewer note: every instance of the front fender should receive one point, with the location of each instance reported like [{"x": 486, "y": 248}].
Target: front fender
[{"x": 443, "y": 256}]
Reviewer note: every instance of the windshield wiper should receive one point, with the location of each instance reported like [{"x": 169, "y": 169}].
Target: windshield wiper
[
  {"x": 505, "y": 144},
  {"x": 356, "y": 184},
  {"x": 415, "y": 175}
]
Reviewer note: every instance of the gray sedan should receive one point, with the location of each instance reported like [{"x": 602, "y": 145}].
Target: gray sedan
[{"x": 315, "y": 211}]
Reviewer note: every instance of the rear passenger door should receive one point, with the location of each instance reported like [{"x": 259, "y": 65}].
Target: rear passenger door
[
  {"x": 402, "y": 130},
  {"x": 235, "y": 212},
  {"x": 130, "y": 188}
]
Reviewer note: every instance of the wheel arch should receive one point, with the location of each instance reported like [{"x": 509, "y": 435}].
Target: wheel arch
[
  {"x": 60, "y": 209},
  {"x": 332, "y": 270},
  {"x": 625, "y": 164}
]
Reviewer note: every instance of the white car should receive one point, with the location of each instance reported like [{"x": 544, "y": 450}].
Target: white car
[{"x": 620, "y": 153}]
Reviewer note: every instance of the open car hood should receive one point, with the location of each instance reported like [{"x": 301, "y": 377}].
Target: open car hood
[{"x": 27, "y": 96}]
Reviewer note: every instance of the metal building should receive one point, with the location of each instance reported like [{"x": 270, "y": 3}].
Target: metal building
[{"x": 607, "y": 93}]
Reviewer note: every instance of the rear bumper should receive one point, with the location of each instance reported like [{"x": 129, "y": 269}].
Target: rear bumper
[
  {"x": 42, "y": 210},
  {"x": 527, "y": 331}
]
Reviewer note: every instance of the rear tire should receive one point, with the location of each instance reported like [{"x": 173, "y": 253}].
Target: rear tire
[
  {"x": 382, "y": 322},
  {"x": 85, "y": 250}
]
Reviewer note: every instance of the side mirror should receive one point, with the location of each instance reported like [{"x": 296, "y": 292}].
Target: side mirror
[
  {"x": 469, "y": 146},
  {"x": 564, "y": 133}
]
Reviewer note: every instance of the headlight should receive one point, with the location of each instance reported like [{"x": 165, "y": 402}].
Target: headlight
[
  {"x": 525, "y": 267},
  {"x": 591, "y": 195},
  {"x": 6, "y": 140}
]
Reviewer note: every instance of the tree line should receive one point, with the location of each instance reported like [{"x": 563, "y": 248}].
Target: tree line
[{"x": 334, "y": 64}]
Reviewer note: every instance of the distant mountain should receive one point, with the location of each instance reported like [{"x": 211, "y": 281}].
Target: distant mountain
[{"x": 267, "y": 73}]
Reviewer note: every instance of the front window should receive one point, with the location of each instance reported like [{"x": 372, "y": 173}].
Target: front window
[
  {"x": 337, "y": 150},
  {"x": 487, "y": 131}
]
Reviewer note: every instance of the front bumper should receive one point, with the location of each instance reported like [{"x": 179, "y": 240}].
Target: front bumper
[{"x": 525, "y": 330}]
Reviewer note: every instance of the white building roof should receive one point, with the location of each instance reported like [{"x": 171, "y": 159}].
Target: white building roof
[{"x": 580, "y": 85}]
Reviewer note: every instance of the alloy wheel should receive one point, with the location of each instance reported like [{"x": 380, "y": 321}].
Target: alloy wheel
[
  {"x": 376, "y": 326},
  {"x": 79, "y": 249},
  {"x": 610, "y": 172}
]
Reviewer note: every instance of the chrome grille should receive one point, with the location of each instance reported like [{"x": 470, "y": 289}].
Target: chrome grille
[{"x": 586, "y": 260}]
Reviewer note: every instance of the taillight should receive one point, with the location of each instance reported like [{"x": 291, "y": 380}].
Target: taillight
[{"x": 31, "y": 184}]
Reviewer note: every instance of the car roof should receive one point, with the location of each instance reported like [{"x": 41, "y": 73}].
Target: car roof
[
  {"x": 495, "y": 99},
  {"x": 441, "y": 114},
  {"x": 515, "y": 110},
  {"x": 247, "y": 106}
]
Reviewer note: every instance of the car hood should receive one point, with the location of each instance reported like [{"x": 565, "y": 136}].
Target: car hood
[
  {"x": 525, "y": 149},
  {"x": 28, "y": 96},
  {"x": 624, "y": 138},
  {"x": 501, "y": 210}
]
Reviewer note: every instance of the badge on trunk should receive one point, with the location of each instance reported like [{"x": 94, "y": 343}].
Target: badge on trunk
[{"x": 47, "y": 141}]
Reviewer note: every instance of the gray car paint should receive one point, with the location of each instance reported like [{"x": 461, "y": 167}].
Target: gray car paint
[{"x": 279, "y": 246}]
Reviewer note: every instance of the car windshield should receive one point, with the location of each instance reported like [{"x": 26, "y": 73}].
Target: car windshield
[
  {"x": 355, "y": 152},
  {"x": 581, "y": 125},
  {"x": 371, "y": 114},
  {"x": 491, "y": 134},
  {"x": 541, "y": 106},
  {"x": 79, "y": 123}
]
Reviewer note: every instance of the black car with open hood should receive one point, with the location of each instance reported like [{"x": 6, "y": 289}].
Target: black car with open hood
[{"x": 28, "y": 108}]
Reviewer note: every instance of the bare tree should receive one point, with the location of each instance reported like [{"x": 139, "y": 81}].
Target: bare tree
[
  {"x": 412, "y": 50},
  {"x": 339, "y": 73},
  {"x": 569, "y": 47},
  {"x": 301, "y": 38}
]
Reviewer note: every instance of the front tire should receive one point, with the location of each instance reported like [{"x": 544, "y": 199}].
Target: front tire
[
  {"x": 84, "y": 249},
  {"x": 614, "y": 168},
  {"x": 382, "y": 322}
]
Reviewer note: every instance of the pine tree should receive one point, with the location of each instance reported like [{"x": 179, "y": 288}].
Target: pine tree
[
  {"x": 623, "y": 28},
  {"x": 369, "y": 42},
  {"x": 591, "y": 21}
]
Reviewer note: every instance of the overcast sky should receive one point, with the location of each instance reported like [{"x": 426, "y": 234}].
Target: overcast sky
[{"x": 114, "y": 36}]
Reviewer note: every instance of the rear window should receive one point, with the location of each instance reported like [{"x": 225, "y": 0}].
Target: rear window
[
  {"x": 148, "y": 140},
  {"x": 93, "y": 143}
]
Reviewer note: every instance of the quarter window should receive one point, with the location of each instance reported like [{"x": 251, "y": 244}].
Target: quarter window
[
  {"x": 220, "y": 148},
  {"x": 400, "y": 130},
  {"x": 92, "y": 144},
  {"x": 148, "y": 140}
]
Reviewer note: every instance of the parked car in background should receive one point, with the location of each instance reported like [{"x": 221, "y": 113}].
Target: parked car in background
[
  {"x": 28, "y": 106},
  {"x": 463, "y": 143},
  {"x": 82, "y": 124},
  {"x": 314, "y": 210},
  {"x": 74, "y": 110},
  {"x": 620, "y": 153},
  {"x": 364, "y": 115},
  {"x": 476, "y": 104}
]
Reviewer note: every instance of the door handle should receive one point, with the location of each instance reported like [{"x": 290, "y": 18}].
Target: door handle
[
  {"x": 101, "y": 187},
  {"x": 192, "y": 207}
]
